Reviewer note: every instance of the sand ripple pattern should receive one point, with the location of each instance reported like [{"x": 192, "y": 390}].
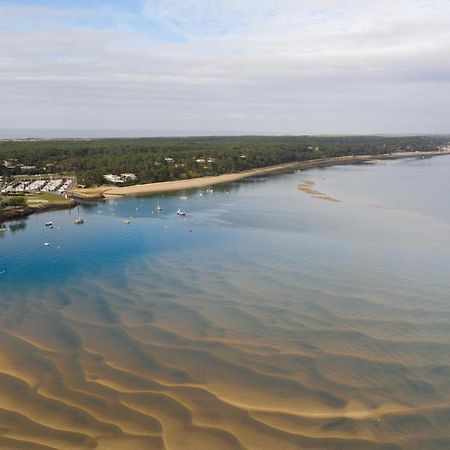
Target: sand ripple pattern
[{"x": 182, "y": 355}]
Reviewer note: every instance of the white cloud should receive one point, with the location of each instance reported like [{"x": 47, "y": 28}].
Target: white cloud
[
  {"x": 208, "y": 17},
  {"x": 281, "y": 66}
]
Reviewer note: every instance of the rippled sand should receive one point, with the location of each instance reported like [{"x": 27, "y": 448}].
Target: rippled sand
[{"x": 185, "y": 356}]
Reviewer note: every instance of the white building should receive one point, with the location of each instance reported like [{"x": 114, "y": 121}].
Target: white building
[
  {"x": 129, "y": 176},
  {"x": 113, "y": 178},
  {"x": 10, "y": 163}
]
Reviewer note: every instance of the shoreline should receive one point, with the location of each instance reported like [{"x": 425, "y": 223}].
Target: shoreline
[
  {"x": 8, "y": 215},
  {"x": 193, "y": 183}
]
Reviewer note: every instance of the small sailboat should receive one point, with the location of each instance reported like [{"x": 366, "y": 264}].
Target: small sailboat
[
  {"x": 180, "y": 212},
  {"x": 158, "y": 207},
  {"x": 78, "y": 220}
]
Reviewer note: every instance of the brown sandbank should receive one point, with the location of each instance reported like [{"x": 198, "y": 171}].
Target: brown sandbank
[{"x": 307, "y": 186}]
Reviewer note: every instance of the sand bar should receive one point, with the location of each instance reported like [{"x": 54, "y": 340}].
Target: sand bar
[{"x": 307, "y": 186}]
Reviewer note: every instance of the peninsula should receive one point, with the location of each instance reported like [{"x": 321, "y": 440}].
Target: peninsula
[
  {"x": 97, "y": 168},
  {"x": 199, "y": 182}
]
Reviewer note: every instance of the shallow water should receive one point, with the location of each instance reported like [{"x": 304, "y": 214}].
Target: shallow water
[{"x": 265, "y": 319}]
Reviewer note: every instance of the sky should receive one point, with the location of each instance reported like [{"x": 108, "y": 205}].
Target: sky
[{"x": 225, "y": 66}]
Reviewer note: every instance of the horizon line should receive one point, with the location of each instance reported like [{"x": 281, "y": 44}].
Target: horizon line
[{"x": 79, "y": 133}]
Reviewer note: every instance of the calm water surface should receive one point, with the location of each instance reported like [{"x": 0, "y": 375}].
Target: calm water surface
[{"x": 264, "y": 319}]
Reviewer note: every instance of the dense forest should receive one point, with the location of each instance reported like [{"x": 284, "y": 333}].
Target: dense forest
[{"x": 162, "y": 159}]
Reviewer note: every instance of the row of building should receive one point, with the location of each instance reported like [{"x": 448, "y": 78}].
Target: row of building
[
  {"x": 57, "y": 186},
  {"x": 120, "y": 179}
]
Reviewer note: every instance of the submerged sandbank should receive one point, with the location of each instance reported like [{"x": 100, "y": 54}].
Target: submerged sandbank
[{"x": 307, "y": 186}]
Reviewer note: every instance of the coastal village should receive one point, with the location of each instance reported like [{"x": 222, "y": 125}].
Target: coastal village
[{"x": 21, "y": 195}]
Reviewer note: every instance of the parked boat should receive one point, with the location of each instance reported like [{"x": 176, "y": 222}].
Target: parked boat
[
  {"x": 3, "y": 228},
  {"x": 79, "y": 220}
]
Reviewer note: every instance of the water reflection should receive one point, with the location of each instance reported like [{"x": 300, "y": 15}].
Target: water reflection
[{"x": 19, "y": 225}]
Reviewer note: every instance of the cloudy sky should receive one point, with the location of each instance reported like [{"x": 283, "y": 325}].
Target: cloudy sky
[{"x": 220, "y": 66}]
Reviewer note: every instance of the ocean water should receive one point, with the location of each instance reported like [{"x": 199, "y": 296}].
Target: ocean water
[{"x": 267, "y": 318}]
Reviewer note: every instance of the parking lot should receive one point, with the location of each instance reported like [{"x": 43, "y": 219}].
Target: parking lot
[{"x": 33, "y": 185}]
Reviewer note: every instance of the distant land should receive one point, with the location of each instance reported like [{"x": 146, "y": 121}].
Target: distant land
[
  {"x": 12, "y": 133},
  {"x": 50, "y": 133},
  {"x": 92, "y": 168},
  {"x": 151, "y": 160},
  {"x": 194, "y": 183}
]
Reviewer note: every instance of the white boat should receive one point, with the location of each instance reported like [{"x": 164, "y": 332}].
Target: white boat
[
  {"x": 158, "y": 208},
  {"x": 47, "y": 244},
  {"x": 3, "y": 228},
  {"x": 78, "y": 220},
  {"x": 180, "y": 212},
  {"x": 127, "y": 221},
  {"x": 49, "y": 224}
]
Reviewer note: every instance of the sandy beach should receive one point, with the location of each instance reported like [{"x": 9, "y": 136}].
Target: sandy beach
[{"x": 168, "y": 186}]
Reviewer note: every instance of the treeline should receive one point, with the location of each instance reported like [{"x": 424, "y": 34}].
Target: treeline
[{"x": 163, "y": 159}]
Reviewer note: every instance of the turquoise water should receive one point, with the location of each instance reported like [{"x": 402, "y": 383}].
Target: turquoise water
[{"x": 262, "y": 296}]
